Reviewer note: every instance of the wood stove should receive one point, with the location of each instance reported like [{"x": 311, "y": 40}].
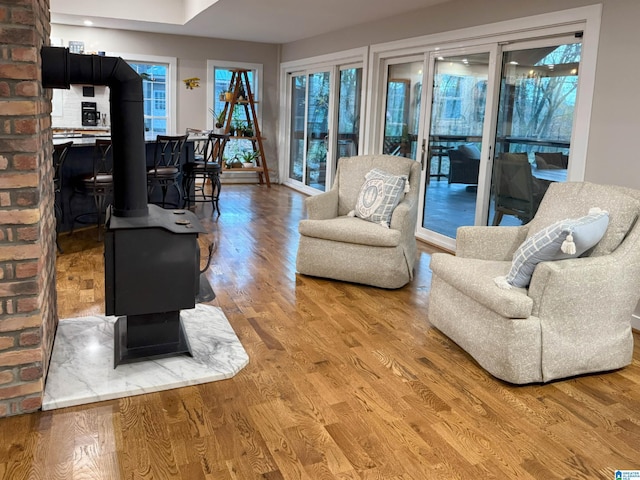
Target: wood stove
[
  {"x": 152, "y": 268},
  {"x": 152, "y": 259}
]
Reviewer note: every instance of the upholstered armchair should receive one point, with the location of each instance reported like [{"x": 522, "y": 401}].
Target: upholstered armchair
[
  {"x": 574, "y": 316},
  {"x": 335, "y": 244}
]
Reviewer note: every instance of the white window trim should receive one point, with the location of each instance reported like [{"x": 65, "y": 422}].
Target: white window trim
[
  {"x": 353, "y": 57},
  {"x": 257, "y": 95},
  {"x": 172, "y": 81}
]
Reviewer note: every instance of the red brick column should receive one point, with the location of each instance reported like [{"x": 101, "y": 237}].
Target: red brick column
[{"x": 28, "y": 315}]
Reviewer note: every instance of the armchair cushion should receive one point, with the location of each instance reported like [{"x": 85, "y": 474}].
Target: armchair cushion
[
  {"x": 350, "y": 230},
  {"x": 470, "y": 151},
  {"x": 564, "y": 239},
  {"x": 379, "y": 196}
]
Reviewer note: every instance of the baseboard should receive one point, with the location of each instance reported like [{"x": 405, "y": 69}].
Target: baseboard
[{"x": 635, "y": 322}]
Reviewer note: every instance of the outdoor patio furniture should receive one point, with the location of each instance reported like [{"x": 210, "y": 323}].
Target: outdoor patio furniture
[
  {"x": 464, "y": 164},
  {"x": 516, "y": 191},
  {"x": 548, "y": 160}
]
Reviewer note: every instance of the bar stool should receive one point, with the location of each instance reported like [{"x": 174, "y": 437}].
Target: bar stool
[
  {"x": 208, "y": 169},
  {"x": 59, "y": 155},
  {"x": 98, "y": 184},
  {"x": 166, "y": 168}
]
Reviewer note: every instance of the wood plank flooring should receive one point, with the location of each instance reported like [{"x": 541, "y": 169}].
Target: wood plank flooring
[{"x": 344, "y": 382}]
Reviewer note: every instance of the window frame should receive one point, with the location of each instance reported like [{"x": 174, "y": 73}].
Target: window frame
[
  {"x": 257, "y": 68},
  {"x": 171, "y": 85}
]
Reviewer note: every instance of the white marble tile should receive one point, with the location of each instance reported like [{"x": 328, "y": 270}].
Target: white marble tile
[{"x": 81, "y": 369}]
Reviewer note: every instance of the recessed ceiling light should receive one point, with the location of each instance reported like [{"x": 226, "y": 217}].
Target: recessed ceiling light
[
  {"x": 88, "y": 23},
  {"x": 513, "y": 62}
]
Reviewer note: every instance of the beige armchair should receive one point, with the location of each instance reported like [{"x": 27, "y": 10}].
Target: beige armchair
[
  {"x": 338, "y": 246},
  {"x": 574, "y": 317}
]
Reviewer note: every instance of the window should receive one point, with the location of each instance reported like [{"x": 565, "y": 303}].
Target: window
[
  {"x": 154, "y": 88},
  {"x": 159, "y": 81}
]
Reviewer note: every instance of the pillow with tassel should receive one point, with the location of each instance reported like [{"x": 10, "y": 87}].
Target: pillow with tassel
[{"x": 567, "y": 238}]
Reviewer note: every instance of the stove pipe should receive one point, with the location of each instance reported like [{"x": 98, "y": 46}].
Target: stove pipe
[{"x": 60, "y": 69}]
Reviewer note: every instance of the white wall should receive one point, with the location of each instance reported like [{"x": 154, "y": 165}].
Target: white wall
[{"x": 67, "y": 106}]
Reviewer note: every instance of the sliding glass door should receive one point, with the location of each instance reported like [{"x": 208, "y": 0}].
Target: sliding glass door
[
  {"x": 498, "y": 132},
  {"x": 538, "y": 93},
  {"x": 349, "y": 107},
  {"x": 402, "y": 106},
  {"x": 459, "y": 82},
  {"x": 309, "y": 133},
  {"x": 324, "y": 116}
]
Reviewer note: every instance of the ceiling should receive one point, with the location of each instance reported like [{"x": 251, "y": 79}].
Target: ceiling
[{"x": 270, "y": 21}]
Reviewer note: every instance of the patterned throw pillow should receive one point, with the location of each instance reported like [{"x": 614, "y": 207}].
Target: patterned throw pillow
[
  {"x": 564, "y": 239},
  {"x": 379, "y": 195}
]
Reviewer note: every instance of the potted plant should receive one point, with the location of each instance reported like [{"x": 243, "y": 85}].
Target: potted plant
[
  {"x": 237, "y": 122},
  {"x": 218, "y": 118},
  {"x": 233, "y": 162},
  {"x": 247, "y": 158}
]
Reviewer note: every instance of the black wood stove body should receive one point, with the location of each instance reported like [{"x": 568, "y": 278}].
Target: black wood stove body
[
  {"x": 152, "y": 268},
  {"x": 152, "y": 259}
]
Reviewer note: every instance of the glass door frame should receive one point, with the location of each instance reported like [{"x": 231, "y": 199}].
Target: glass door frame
[
  {"x": 575, "y": 171},
  {"x": 377, "y": 132},
  {"x": 332, "y": 117},
  {"x": 333, "y": 144},
  {"x": 484, "y": 176}
]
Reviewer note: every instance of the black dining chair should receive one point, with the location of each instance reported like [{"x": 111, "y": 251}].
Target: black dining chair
[
  {"x": 207, "y": 169},
  {"x": 98, "y": 185},
  {"x": 60, "y": 152},
  {"x": 166, "y": 168}
]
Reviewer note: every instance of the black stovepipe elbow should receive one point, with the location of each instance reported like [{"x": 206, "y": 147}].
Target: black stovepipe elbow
[{"x": 60, "y": 69}]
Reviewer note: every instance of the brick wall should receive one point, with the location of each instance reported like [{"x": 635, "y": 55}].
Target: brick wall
[{"x": 28, "y": 316}]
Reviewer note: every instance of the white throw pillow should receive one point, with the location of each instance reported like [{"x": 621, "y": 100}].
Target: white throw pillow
[
  {"x": 379, "y": 196},
  {"x": 564, "y": 239}
]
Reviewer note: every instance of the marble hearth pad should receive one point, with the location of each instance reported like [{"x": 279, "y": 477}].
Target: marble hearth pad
[{"x": 81, "y": 369}]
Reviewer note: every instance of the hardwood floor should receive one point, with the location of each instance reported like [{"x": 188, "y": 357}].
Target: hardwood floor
[{"x": 343, "y": 382}]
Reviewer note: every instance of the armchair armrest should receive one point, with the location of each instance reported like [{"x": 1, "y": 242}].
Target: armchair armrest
[
  {"x": 585, "y": 307},
  {"x": 558, "y": 286},
  {"x": 322, "y": 206},
  {"x": 489, "y": 243},
  {"x": 404, "y": 216}
]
